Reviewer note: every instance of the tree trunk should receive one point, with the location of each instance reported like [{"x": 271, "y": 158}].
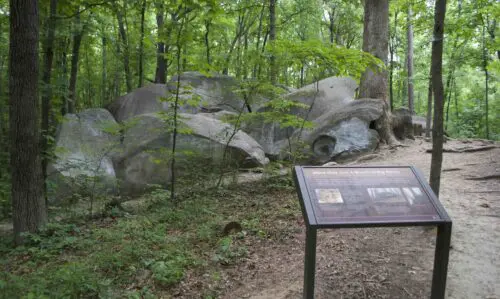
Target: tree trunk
[
  {"x": 77, "y": 40},
  {"x": 207, "y": 41},
  {"x": 161, "y": 66},
  {"x": 28, "y": 204},
  {"x": 257, "y": 44},
  {"x": 486, "y": 79},
  {"x": 104, "y": 94},
  {"x": 437, "y": 87},
  {"x": 64, "y": 75},
  {"x": 272, "y": 37},
  {"x": 375, "y": 41},
  {"x": 411, "y": 104},
  {"x": 126, "y": 52},
  {"x": 47, "y": 87},
  {"x": 392, "y": 50},
  {"x": 141, "y": 46},
  {"x": 428, "y": 118},
  {"x": 331, "y": 16}
]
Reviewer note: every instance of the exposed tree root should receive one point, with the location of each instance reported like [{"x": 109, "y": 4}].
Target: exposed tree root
[
  {"x": 485, "y": 177},
  {"x": 467, "y": 150}
]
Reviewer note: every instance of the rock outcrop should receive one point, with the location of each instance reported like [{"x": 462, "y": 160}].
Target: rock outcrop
[{"x": 85, "y": 143}]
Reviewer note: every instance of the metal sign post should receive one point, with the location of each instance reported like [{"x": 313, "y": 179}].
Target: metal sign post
[{"x": 350, "y": 197}]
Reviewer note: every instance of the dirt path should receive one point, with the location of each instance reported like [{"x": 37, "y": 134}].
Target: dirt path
[{"x": 395, "y": 262}]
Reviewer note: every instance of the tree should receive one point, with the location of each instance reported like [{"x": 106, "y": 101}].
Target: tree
[
  {"x": 272, "y": 37},
  {"x": 28, "y": 204},
  {"x": 409, "y": 60},
  {"x": 375, "y": 41},
  {"x": 437, "y": 88}
]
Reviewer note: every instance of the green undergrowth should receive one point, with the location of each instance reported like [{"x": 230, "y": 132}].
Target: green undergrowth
[{"x": 146, "y": 255}]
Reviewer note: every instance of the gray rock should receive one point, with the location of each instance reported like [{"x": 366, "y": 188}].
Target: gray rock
[
  {"x": 345, "y": 131},
  {"x": 147, "y": 146},
  {"x": 84, "y": 146},
  {"x": 327, "y": 96},
  {"x": 147, "y": 99}
]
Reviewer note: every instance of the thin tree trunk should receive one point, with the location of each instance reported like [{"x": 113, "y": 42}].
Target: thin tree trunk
[
  {"x": 77, "y": 40},
  {"x": 47, "y": 87},
  {"x": 141, "y": 46},
  {"x": 104, "y": 94},
  {"x": 392, "y": 50},
  {"x": 437, "y": 86},
  {"x": 28, "y": 205},
  {"x": 486, "y": 79},
  {"x": 411, "y": 103},
  {"x": 126, "y": 52},
  {"x": 207, "y": 41},
  {"x": 259, "y": 33},
  {"x": 448, "y": 102},
  {"x": 375, "y": 41},
  {"x": 161, "y": 66},
  {"x": 64, "y": 76},
  {"x": 272, "y": 37},
  {"x": 331, "y": 16},
  {"x": 428, "y": 118}
]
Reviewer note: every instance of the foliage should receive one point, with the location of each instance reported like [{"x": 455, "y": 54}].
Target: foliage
[{"x": 144, "y": 254}]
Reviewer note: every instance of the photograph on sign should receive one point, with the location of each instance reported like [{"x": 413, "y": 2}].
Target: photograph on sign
[
  {"x": 386, "y": 195},
  {"x": 329, "y": 196}
]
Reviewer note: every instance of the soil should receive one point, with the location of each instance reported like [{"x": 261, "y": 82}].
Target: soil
[{"x": 392, "y": 262}]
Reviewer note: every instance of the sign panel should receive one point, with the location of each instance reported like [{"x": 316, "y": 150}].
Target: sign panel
[{"x": 339, "y": 195}]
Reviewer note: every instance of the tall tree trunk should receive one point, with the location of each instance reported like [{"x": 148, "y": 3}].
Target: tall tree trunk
[
  {"x": 77, "y": 40},
  {"x": 411, "y": 104},
  {"x": 259, "y": 34},
  {"x": 392, "y": 50},
  {"x": 375, "y": 42},
  {"x": 64, "y": 75},
  {"x": 428, "y": 119},
  {"x": 126, "y": 52},
  {"x": 331, "y": 25},
  {"x": 47, "y": 87},
  {"x": 141, "y": 46},
  {"x": 28, "y": 204},
  {"x": 437, "y": 87},
  {"x": 486, "y": 79},
  {"x": 272, "y": 37},
  {"x": 104, "y": 94},
  {"x": 161, "y": 66},
  {"x": 207, "y": 41}
]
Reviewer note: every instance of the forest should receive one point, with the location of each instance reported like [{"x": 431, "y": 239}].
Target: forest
[{"x": 90, "y": 54}]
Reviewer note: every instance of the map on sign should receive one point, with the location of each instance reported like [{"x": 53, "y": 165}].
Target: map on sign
[{"x": 367, "y": 194}]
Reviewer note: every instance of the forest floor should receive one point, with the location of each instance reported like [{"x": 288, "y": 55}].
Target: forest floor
[
  {"x": 395, "y": 262},
  {"x": 179, "y": 250}
]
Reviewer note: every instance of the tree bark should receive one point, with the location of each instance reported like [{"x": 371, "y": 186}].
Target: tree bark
[
  {"x": 126, "y": 52},
  {"x": 272, "y": 37},
  {"x": 161, "y": 66},
  {"x": 77, "y": 40},
  {"x": 392, "y": 50},
  {"x": 28, "y": 204},
  {"x": 375, "y": 41},
  {"x": 47, "y": 87},
  {"x": 428, "y": 119},
  {"x": 486, "y": 81},
  {"x": 104, "y": 94},
  {"x": 411, "y": 100},
  {"x": 141, "y": 46},
  {"x": 207, "y": 41},
  {"x": 437, "y": 87}
]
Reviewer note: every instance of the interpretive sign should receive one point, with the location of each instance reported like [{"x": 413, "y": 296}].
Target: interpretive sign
[{"x": 335, "y": 197}]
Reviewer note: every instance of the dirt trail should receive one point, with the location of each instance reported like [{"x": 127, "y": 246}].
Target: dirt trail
[{"x": 396, "y": 262}]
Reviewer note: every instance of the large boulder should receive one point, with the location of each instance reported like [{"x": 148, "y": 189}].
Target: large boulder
[
  {"x": 197, "y": 93},
  {"x": 330, "y": 94},
  {"x": 85, "y": 143},
  {"x": 347, "y": 131},
  {"x": 325, "y": 95},
  {"x": 147, "y": 146}
]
